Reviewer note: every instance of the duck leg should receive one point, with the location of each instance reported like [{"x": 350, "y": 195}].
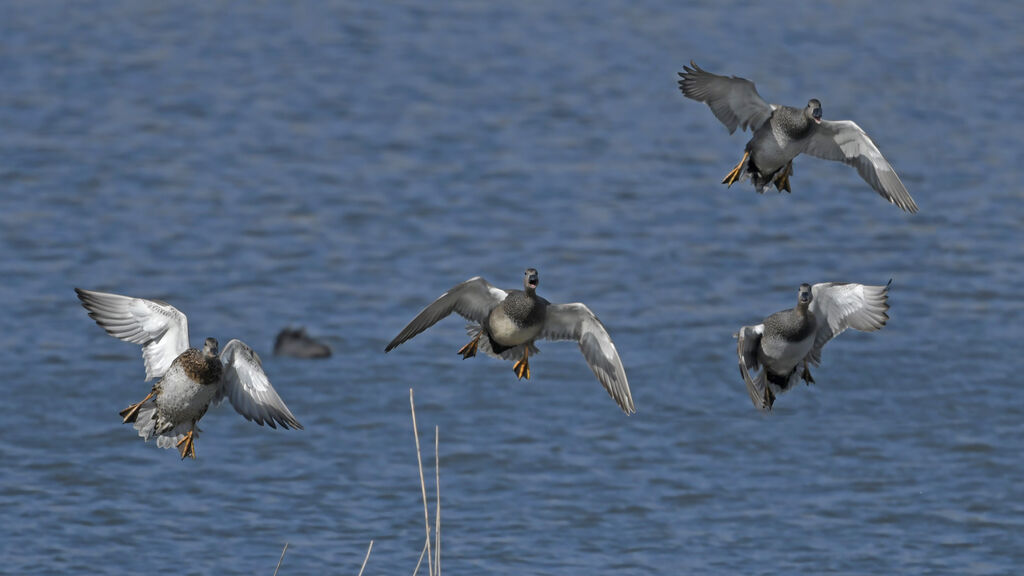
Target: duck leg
[
  {"x": 132, "y": 412},
  {"x": 522, "y": 367},
  {"x": 807, "y": 375},
  {"x": 734, "y": 175},
  {"x": 469, "y": 350},
  {"x": 187, "y": 445},
  {"x": 782, "y": 179}
]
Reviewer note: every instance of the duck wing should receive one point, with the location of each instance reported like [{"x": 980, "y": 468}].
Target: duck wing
[
  {"x": 577, "y": 322},
  {"x": 246, "y": 385},
  {"x": 473, "y": 300},
  {"x": 837, "y": 306},
  {"x": 748, "y": 340},
  {"x": 733, "y": 100},
  {"x": 160, "y": 328},
  {"x": 844, "y": 141}
]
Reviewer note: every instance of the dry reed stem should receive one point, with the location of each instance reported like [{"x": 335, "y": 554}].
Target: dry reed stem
[
  {"x": 437, "y": 505},
  {"x": 365, "y": 559},
  {"x": 423, "y": 485},
  {"x": 420, "y": 561},
  {"x": 281, "y": 559}
]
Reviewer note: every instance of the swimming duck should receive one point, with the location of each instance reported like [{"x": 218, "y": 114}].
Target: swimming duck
[
  {"x": 793, "y": 338},
  {"x": 506, "y": 323},
  {"x": 189, "y": 379},
  {"x": 295, "y": 342},
  {"x": 781, "y": 133}
]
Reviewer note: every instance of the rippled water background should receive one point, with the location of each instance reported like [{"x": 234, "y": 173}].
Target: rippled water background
[{"x": 339, "y": 165}]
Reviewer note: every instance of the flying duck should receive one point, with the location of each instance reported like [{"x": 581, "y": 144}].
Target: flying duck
[
  {"x": 189, "y": 379},
  {"x": 781, "y": 133},
  {"x": 506, "y": 323},
  {"x": 793, "y": 338}
]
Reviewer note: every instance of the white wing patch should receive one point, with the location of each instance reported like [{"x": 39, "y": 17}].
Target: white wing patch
[{"x": 496, "y": 293}]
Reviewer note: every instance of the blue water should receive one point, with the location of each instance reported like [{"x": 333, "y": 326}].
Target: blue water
[{"x": 339, "y": 165}]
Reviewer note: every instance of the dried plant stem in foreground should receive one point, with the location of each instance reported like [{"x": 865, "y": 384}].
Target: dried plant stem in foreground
[
  {"x": 365, "y": 559},
  {"x": 433, "y": 554},
  {"x": 281, "y": 559},
  {"x": 437, "y": 505},
  {"x": 423, "y": 484},
  {"x": 416, "y": 570}
]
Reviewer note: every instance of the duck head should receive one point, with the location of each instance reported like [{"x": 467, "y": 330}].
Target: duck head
[
  {"x": 804, "y": 295},
  {"x": 530, "y": 280},
  {"x": 211, "y": 348},
  {"x": 813, "y": 110}
]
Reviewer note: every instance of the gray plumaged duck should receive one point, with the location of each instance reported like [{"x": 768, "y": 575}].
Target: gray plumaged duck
[
  {"x": 506, "y": 323},
  {"x": 793, "y": 338},
  {"x": 781, "y": 133},
  {"x": 189, "y": 379}
]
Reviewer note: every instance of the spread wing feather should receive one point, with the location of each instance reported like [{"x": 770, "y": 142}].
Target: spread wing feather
[
  {"x": 160, "y": 328},
  {"x": 246, "y": 385},
  {"x": 577, "y": 322},
  {"x": 473, "y": 300},
  {"x": 845, "y": 141},
  {"x": 748, "y": 340},
  {"x": 734, "y": 101},
  {"x": 837, "y": 306}
]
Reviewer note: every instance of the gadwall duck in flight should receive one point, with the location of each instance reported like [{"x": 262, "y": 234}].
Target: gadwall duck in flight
[
  {"x": 189, "y": 379},
  {"x": 781, "y": 133},
  {"x": 787, "y": 340},
  {"x": 506, "y": 323}
]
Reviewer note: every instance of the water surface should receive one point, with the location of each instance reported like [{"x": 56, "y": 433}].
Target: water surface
[{"x": 340, "y": 164}]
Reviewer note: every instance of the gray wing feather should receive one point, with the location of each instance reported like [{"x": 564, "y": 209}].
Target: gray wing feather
[
  {"x": 473, "y": 300},
  {"x": 734, "y": 101},
  {"x": 837, "y": 306},
  {"x": 246, "y": 385},
  {"x": 577, "y": 322},
  {"x": 160, "y": 328},
  {"x": 845, "y": 141},
  {"x": 748, "y": 339}
]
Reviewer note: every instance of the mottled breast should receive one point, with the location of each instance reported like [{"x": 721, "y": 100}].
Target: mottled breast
[{"x": 198, "y": 368}]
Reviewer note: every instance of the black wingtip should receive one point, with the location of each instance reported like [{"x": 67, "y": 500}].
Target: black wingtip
[{"x": 85, "y": 299}]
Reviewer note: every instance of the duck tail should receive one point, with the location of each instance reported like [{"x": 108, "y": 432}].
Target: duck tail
[
  {"x": 150, "y": 425},
  {"x": 173, "y": 437}
]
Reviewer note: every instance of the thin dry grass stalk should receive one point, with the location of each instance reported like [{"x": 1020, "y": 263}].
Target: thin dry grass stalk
[
  {"x": 437, "y": 504},
  {"x": 365, "y": 559},
  {"x": 420, "y": 561},
  {"x": 423, "y": 485},
  {"x": 281, "y": 559},
  {"x": 433, "y": 556}
]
